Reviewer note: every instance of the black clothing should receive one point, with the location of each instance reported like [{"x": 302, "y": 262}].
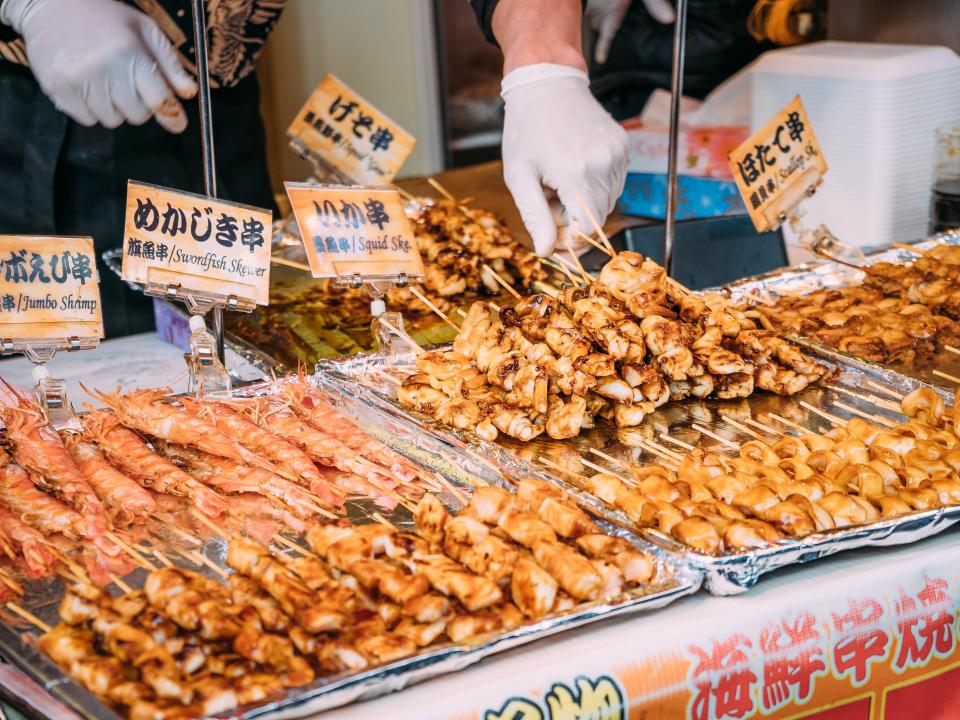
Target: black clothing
[
  {"x": 641, "y": 56},
  {"x": 58, "y": 177},
  {"x": 236, "y": 33}
]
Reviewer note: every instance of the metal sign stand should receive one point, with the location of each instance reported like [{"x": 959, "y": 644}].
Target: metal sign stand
[
  {"x": 50, "y": 393},
  {"x": 206, "y": 360},
  {"x": 676, "y": 91}
]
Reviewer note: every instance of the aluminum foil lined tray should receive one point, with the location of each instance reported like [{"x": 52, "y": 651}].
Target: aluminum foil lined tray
[
  {"x": 672, "y": 582},
  {"x": 362, "y": 378},
  {"x": 826, "y": 275}
]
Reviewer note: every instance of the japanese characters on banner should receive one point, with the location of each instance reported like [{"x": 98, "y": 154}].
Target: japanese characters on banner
[
  {"x": 49, "y": 288},
  {"x": 868, "y": 655},
  {"x": 351, "y": 137},
  {"x": 776, "y": 166},
  {"x": 197, "y": 243},
  {"x": 349, "y": 230}
]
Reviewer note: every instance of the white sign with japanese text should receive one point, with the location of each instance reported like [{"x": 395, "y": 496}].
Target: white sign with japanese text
[
  {"x": 49, "y": 288},
  {"x": 349, "y": 231},
  {"x": 350, "y": 136},
  {"x": 777, "y": 166},
  {"x": 197, "y": 243}
]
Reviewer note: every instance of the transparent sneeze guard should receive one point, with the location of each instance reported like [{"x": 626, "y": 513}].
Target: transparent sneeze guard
[
  {"x": 50, "y": 393},
  {"x": 207, "y": 375},
  {"x": 322, "y": 171}
]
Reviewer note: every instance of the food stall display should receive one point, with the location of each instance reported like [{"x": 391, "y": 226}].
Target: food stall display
[
  {"x": 902, "y": 310},
  {"x": 464, "y": 249},
  {"x": 617, "y": 347},
  {"x": 352, "y": 570}
]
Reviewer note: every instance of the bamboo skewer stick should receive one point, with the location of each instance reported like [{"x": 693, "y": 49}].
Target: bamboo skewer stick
[
  {"x": 596, "y": 225},
  {"x": 744, "y": 429},
  {"x": 201, "y": 559},
  {"x": 403, "y": 336},
  {"x": 883, "y": 389},
  {"x": 183, "y": 535},
  {"x": 799, "y": 428},
  {"x": 872, "y": 399},
  {"x": 207, "y": 523},
  {"x": 164, "y": 560},
  {"x": 597, "y": 245},
  {"x": 118, "y": 581},
  {"x": 406, "y": 195},
  {"x": 866, "y": 416},
  {"x": 11, "y": 583},
  {"x": 946, "y": 376},
  {"x": 951, "y": 348},
  {"x": 588, "y": 278},
  {"x": 134, "y": 555},
  {"x": 679, "y": 443},
  {"x": 288, "y": 543},
  {"x": 75, "y": 568},
  {"x": 608, "y": 458},
  {"x": 605, "y": 471},
  {"x": 383, "y": 521},
  {"x": 441, "y": 189},
  {"x": 563, "y": 269},
  {"x": 765, "y": 428},
  {"x": 571, "y": 271},
  {"x": 908, "y": 248},
  {"x": 28, "y": 616},
  {"x": 503, "y": 283},
  {"x": 832, "y": 419},
  {"x": 423, "y": 298},
  {"x": 447, "y": 485},
  {"x": 667, "y": 456},
  {"x": 719, "y": 438}
]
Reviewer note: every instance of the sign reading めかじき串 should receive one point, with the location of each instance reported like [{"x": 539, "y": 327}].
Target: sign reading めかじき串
[
  {"x": 777, "y": 166},
  {"x": 349, "y": 231},
  {"x": 349, "y": 136},
  {"x": 197, "y": 243},
  {"x": 49, "y": 288}
]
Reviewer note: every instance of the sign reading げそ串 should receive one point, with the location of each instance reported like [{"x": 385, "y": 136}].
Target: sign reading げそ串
[
  {"x": 350, "y": 231},
  {"x": 777, "y": 166},
  {"x": 197, "y": 243},
  {"x": 49, "y": 288},
  {"x": 344, "y": 132}
]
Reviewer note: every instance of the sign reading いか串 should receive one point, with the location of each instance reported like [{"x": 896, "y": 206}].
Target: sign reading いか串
[
  {"x": 777, "y": 166},
  {"x": 351, "y": 231},
  {"x": 197, "y": 243},
  {"x": 345, "y": 133},
  {"x": 49, "y": 288}
]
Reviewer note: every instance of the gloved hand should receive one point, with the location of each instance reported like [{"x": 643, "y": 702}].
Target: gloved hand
[
  {"x": 101, "y": 61},
  {"x": 606, "y": 16},
  {"x": 556, "y": 134}
]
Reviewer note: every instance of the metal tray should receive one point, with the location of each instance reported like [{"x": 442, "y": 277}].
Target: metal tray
[
  {"x": 826, "y": 275},
  {"x": 361, "y": 378},
  {"x": 42, "y": 598}
]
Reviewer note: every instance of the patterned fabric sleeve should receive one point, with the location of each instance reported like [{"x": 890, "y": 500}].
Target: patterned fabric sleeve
[{"x": 236, "y": 33}]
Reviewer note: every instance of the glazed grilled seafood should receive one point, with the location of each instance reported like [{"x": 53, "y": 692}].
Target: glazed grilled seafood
[
  {"x": 618, "y": 348},
  {"x": 786, "y": 488},
  {"x": 186, "y": 645},
  {"x": 898, "y": 315}
]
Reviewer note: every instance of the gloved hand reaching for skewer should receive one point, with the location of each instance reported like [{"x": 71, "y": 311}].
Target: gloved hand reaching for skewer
[
  {"x": 556, "y": 136},
  {"x": 100, "y": 61}
]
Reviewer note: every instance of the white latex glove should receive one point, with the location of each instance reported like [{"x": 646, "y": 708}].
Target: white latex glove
[
  {"x": 101, "y": 61},
  {"x": 606, "y": 16},
  {"x": 556, "y": 135}
]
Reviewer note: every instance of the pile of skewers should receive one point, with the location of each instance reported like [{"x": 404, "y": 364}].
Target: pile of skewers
[
  {"x": 618, "y": 347},
  {"x": 361, "y": 596},
  {"x": 463, "y": 248},
  {"x": 899, "y": 314},
  {"x": 779, "y": 486},
  {"x": 281, "y": 460}
]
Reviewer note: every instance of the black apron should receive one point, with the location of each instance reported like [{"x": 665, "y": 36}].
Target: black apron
[
  {"x": 641, "y": 56},
  {"x": 60, "y": 178}
]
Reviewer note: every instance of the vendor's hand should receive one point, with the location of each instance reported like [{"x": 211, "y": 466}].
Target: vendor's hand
[
  {"x": 606, "y": 16},
  {"x": 556, "y": 135},
  {"x": 101, "y": 61}
]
